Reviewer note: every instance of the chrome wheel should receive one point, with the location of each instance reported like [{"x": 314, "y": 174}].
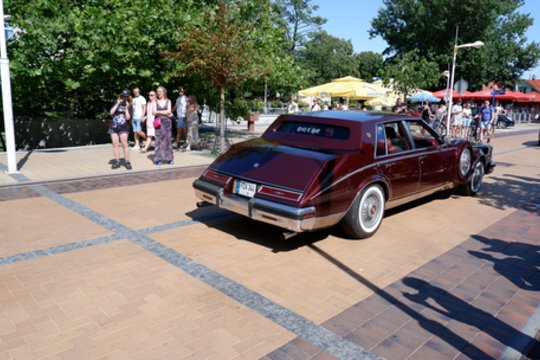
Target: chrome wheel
[
  {"x": 371, "y": 209},
  {"x": 477, "y": 176},
  {"x": 465, "y": 162}
]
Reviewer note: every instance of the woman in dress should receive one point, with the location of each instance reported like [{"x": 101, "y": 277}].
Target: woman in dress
[
  {"x": 162, "y": 110},
  {"x": 119, "y": 128},
  {"x": 192, "y": 117},
  {"x": 150, "y": 131}
]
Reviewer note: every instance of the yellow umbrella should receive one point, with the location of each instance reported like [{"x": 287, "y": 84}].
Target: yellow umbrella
[
  {"x": 349, "y": 87},
  {"x": 389, "y": 100}
]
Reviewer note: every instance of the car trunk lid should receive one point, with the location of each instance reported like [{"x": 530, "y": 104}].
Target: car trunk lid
[{"x": 273, "y": 164}]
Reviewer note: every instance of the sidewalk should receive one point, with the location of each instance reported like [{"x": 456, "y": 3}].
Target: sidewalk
[{"x": 90, "y": 161}]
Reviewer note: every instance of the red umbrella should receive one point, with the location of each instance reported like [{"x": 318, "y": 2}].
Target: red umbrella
[
  {"x": 518, "y": 96},
  {"x": 508, "y": 95},
  {"x": 534, "y": 97}
]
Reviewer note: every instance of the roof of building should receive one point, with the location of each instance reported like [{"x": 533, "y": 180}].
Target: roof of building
[{"x": 535, "y": 84}]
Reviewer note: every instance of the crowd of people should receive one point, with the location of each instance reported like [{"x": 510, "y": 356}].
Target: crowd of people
[
  {"x": 462, "y": 119},
  {"x": 152, "y": 124}
]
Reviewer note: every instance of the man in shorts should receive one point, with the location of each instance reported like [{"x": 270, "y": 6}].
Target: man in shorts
[
  {"x": 180, "y": 109},
  {"x": 139, "y": 111},
  {"x": 457, "y": 116},
  {"x": 486, "y": 120}
]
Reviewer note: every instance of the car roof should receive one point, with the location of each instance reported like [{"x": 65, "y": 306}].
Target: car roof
[{"x": 350, "y": 115}]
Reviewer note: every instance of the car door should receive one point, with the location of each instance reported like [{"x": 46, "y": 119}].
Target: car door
[
  {"x": 395, "y": 161},
  {"x": 434, "y": 158}
]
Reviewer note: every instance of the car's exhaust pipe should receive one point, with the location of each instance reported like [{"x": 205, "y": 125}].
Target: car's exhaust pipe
[
  {"x": 201, "y": 204},
  {"x": 286, "y": 235}
]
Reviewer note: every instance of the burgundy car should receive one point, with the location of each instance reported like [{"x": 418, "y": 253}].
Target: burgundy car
[{"x": 314, "y": 170}]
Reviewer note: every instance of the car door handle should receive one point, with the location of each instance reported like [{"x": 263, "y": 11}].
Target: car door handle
[{"x": 388, "y": 165}]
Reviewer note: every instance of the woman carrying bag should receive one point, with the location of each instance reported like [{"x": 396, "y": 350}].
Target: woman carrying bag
[{"x": 163, "y": 125}]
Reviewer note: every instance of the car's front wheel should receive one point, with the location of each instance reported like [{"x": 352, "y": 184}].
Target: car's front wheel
[
  {"x": 366, "y": 213},
  {"x": 501, "y": 124},
  {"x": 472, "y": 186}
]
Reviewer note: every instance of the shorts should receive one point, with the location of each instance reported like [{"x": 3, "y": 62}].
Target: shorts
[
  {"x": 119, "y": 128},
  {"x": 181, "y": 122},
  {"x": 136, "y": 124},
  {"x": 458, "y": 122},
  {"x": 485, "y": 125},
  {"x": 466, "y": 122}
]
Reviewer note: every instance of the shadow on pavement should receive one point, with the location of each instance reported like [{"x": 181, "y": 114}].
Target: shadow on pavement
[
  {"x": 519, "y": 192},
  {"x": 432, "y": 326},
  {"x": 258, "y": 233},
  {"x": 23, "y": 161},
  {"x": 455, "y": 308},
  {"x": 516, "y": 261},
  {"x": 450, "y": 307},
  {"x": 531, "y": 144}
]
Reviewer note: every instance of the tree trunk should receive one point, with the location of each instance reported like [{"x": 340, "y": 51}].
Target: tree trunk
[{"x": 222, "y": 146}]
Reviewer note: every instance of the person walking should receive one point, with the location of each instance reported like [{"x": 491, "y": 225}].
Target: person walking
[
  {"x": 149, "y": 120},
  {"x": 163, "y": 112},
  {"x": 192, "y": 123},
  {"x": 139, "y": 111},
  {"x": 180, "y": 110},
  {"x": 119, "y": 128}
]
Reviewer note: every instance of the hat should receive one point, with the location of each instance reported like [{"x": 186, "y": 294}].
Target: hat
[{"x": 125, "y": 92}]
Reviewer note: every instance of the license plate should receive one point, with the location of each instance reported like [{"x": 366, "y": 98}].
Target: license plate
[{"x": 245, "y": 188}]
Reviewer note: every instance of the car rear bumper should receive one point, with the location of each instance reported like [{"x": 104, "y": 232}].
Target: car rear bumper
[{"x": 284, "y": 216}]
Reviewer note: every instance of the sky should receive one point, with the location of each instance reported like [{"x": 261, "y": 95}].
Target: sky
[{"x": 351, "y": 20}]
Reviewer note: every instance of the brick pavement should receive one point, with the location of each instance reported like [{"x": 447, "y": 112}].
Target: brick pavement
[
  {"x": 89, "y": 277},
  {"x": 455, "y": 306}
]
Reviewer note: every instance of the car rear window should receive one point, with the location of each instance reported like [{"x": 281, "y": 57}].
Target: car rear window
[{"x": 316, "y": 130}]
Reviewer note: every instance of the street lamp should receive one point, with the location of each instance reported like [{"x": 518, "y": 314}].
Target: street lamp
[
  {"x": 6, "y": 97},
  {"x": 476, "y": 44}
]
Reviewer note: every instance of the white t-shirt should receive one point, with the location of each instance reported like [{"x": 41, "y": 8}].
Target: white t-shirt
[
  {"x": 138, "y": 104},
  {"x": 457, "y": 111},
  {"x": 467, "y": 113},
  {"x": 181, "y": 104},
  {"x": 292, "y": 108}
]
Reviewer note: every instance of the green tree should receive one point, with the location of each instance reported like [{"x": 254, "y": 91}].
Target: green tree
[
  {"x": 428, "y": 26},
  {"x": 409, "y": 71},
  {"x": 327, "y": 57},
  {"x": 227, "y": 44},
  {"x": 75, "y": 56},
  {"x": 297, "y": 19},
  {"x": 370, "y": 64}
]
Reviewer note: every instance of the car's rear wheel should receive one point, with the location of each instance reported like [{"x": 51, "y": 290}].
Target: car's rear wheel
[
  {"x": 366, "y": 213},
  {"x": 472, "y": 186}
]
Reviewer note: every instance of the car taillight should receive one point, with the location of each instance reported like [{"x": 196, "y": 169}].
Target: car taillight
[
  {"x": 216, "y": 177},
  {"x": 280, "y": 193}
]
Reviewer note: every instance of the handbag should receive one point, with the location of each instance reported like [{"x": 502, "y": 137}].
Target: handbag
[{"x": 157, "y": 123}]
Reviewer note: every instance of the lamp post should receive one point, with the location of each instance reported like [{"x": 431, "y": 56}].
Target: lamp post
[
  {"x": 476, "y": 44},
  {"x": 6, "y": 97}
]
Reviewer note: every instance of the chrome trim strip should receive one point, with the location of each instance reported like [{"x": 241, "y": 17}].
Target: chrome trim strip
[
  {"x": 279, "y": 209},
  {"x": 376, "y": 163},
  {"x": 406, "y": 199},
  {"x": 269, "y": 212},
  {"x": 345, "y": 177}
]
